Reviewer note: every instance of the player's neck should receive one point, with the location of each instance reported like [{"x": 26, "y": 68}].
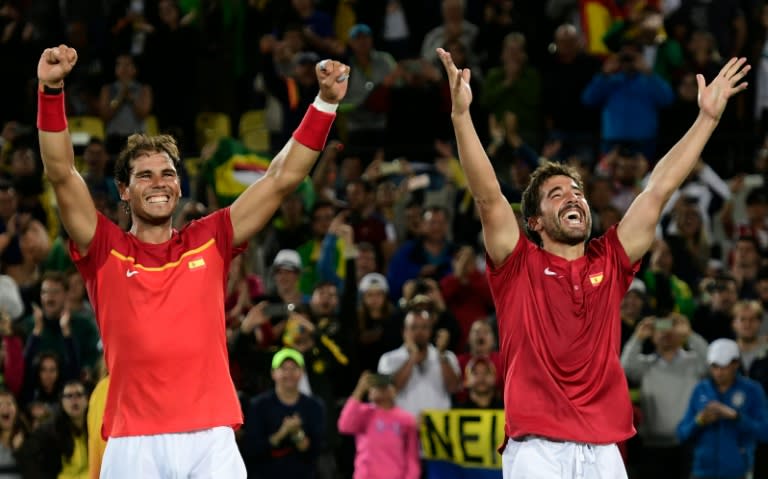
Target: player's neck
[
  {"x": 154, "y": 234},
  {"x": 563, "y": 250}
]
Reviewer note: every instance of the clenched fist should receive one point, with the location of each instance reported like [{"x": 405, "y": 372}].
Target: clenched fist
[
  {"x": 333, "y": 78},
  {"x": 55, "y": 64}
]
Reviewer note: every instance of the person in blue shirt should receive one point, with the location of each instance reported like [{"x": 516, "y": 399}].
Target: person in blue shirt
[{"x": 726, "y": 415}]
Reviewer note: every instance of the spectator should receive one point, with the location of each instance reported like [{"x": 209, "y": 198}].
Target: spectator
[
  {"x": 53, "y": 324},
  {"x": 630, "y": 97},
  {"x": 454, "y": 26},
  {"x": 745, "y": 264},
  {"x": 13, "y": 438},
  {"x": 466, "y": 293},
  {"x": 10, "y": 298},
  {"x": 96, "y": 176},
  {"x": 665, "y": 378},
  {"x": 59, "y": 448},
  {"x": 480, "y": 381},
  {"x": 747, "y": 318},
  {"x": 715, "y": 320},
  {"x": 429, "y": 256},
  {"x": 425, "y": 376},
  {"x": 515, "y": 87},
  {"x": 377, "y": 327},
  {"x": 367, "y": 92},
  {"x": 368, "y": 226},
  {"x": 242, "y": 288},
  {"x": 124, "y": 104},
  {"x": 387, "y": 437},
  {"x": 482, "y": 344},
  {"x": 726, "y": 414},
  {"x": 633, "y": 308},
  {"x": 11, "y": 357},
  {"x": 566, "y": 117},
  {"x": 667, "y": 292},
  {"x": 284, "y": 428},
  {"x": 323, "y": 249},
  {"x": 286, "y": 269},
  {"x": 288, "y": 230},
  {"x": 94, "y": 419},
  {"x": 44, "y": 382},
  {"x": 425, "y": 295}
]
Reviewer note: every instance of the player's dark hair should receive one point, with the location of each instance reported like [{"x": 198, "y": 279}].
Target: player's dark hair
[
  {"x": 140, "y": 144},
  {"x": 531, "y": 204}
]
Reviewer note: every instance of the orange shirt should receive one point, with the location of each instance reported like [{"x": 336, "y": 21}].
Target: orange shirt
[{"x": 160, "y": 311}]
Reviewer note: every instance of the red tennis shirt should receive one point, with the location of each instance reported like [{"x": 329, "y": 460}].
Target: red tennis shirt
[
  {"x": 160, "y": 310},
  {"x": 560, "y": 338}
]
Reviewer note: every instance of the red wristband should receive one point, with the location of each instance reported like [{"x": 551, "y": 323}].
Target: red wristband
[
  {"x": 314, "y": 128},
  {"x": 51, "y": 114}
]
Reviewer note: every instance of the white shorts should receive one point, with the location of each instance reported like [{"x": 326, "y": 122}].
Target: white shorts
[
  {"x": 538, "y": 458},
  {"x": 207, "y": 454}
]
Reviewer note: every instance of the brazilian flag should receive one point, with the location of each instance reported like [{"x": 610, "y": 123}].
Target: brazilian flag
[{"x": 232, "y": 168}]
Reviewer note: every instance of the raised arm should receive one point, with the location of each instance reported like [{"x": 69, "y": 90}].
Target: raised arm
[
  {"x": 500, "y": 230},
  {"x": 258, "y": 203},
  {"x": 77, "y": 210},
  {"x": 637, "y": 229}
]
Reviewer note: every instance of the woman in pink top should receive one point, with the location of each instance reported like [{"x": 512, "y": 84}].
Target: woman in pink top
[{"x": 386, "y": 436}]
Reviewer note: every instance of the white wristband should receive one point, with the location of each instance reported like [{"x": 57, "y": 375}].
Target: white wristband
[{"x": 323, "y": 105}]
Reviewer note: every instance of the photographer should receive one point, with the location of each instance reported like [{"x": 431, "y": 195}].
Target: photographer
[
  {"x": 630, "y": 97},
  {"x": 664, "y": 377}
]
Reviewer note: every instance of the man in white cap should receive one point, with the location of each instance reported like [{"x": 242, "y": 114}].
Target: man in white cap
[{"x": 727, "y": 413}]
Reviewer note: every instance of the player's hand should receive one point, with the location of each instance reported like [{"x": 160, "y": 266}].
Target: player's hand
[
  {"x": 461, "y": 93},
  {"x": 333, "y": 78},
  {"x": 55, "y": 64},
  {"x": 714, "y": 97}
]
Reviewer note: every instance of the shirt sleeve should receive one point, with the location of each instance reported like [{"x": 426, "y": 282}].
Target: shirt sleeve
[
  {"x": 388, "y": 364},
  {"x": 106, "y": 235}
]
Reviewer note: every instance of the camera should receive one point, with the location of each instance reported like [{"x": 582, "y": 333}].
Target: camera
[
  {"x": 663, "y": 324},
  {"x": 279, "y": 311}
]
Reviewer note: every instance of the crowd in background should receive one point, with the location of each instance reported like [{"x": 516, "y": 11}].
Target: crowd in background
[{"x": 377, "y": 262}]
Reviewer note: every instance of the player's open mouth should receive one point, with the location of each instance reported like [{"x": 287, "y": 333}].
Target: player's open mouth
[
  {"x": 5, "y": 417},
  {"x": 573, "y": 216},
  {"x": 158, "y": 199}
]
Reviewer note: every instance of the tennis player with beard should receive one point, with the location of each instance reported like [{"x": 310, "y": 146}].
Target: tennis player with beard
[{"x": 557, "y": 295}]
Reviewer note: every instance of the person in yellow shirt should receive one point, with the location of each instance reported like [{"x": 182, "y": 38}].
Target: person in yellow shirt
[
  {"x": 96, "y": 445},
  {"x": 59, "y": 449}
]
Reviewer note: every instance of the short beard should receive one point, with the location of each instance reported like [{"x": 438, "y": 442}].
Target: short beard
[{"x": 556, "y": 232}]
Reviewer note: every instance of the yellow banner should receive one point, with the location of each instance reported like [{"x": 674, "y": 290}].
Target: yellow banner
[{"x": 468, "y": 437}]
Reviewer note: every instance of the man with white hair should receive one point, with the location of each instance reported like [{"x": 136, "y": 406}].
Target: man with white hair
[{"x": 727, "y": 413}]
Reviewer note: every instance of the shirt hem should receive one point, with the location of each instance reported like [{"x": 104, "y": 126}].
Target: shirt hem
[{"x": 234, "y": 424}]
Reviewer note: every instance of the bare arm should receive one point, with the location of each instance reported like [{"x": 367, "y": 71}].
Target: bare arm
[
  {"x": 256, "y": 205},
  {"x": 78, "y": 212},
  {"x": 636, "y": 230},
  {"x": 403, "y": 375},
  {"x": 500, "y": 229},
  {"x": 451, "y": 379}
]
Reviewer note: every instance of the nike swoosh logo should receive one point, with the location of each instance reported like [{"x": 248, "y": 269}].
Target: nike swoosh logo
[
  {"x": 547, "y": 271},
  {"x": 130, "y": 273}
]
